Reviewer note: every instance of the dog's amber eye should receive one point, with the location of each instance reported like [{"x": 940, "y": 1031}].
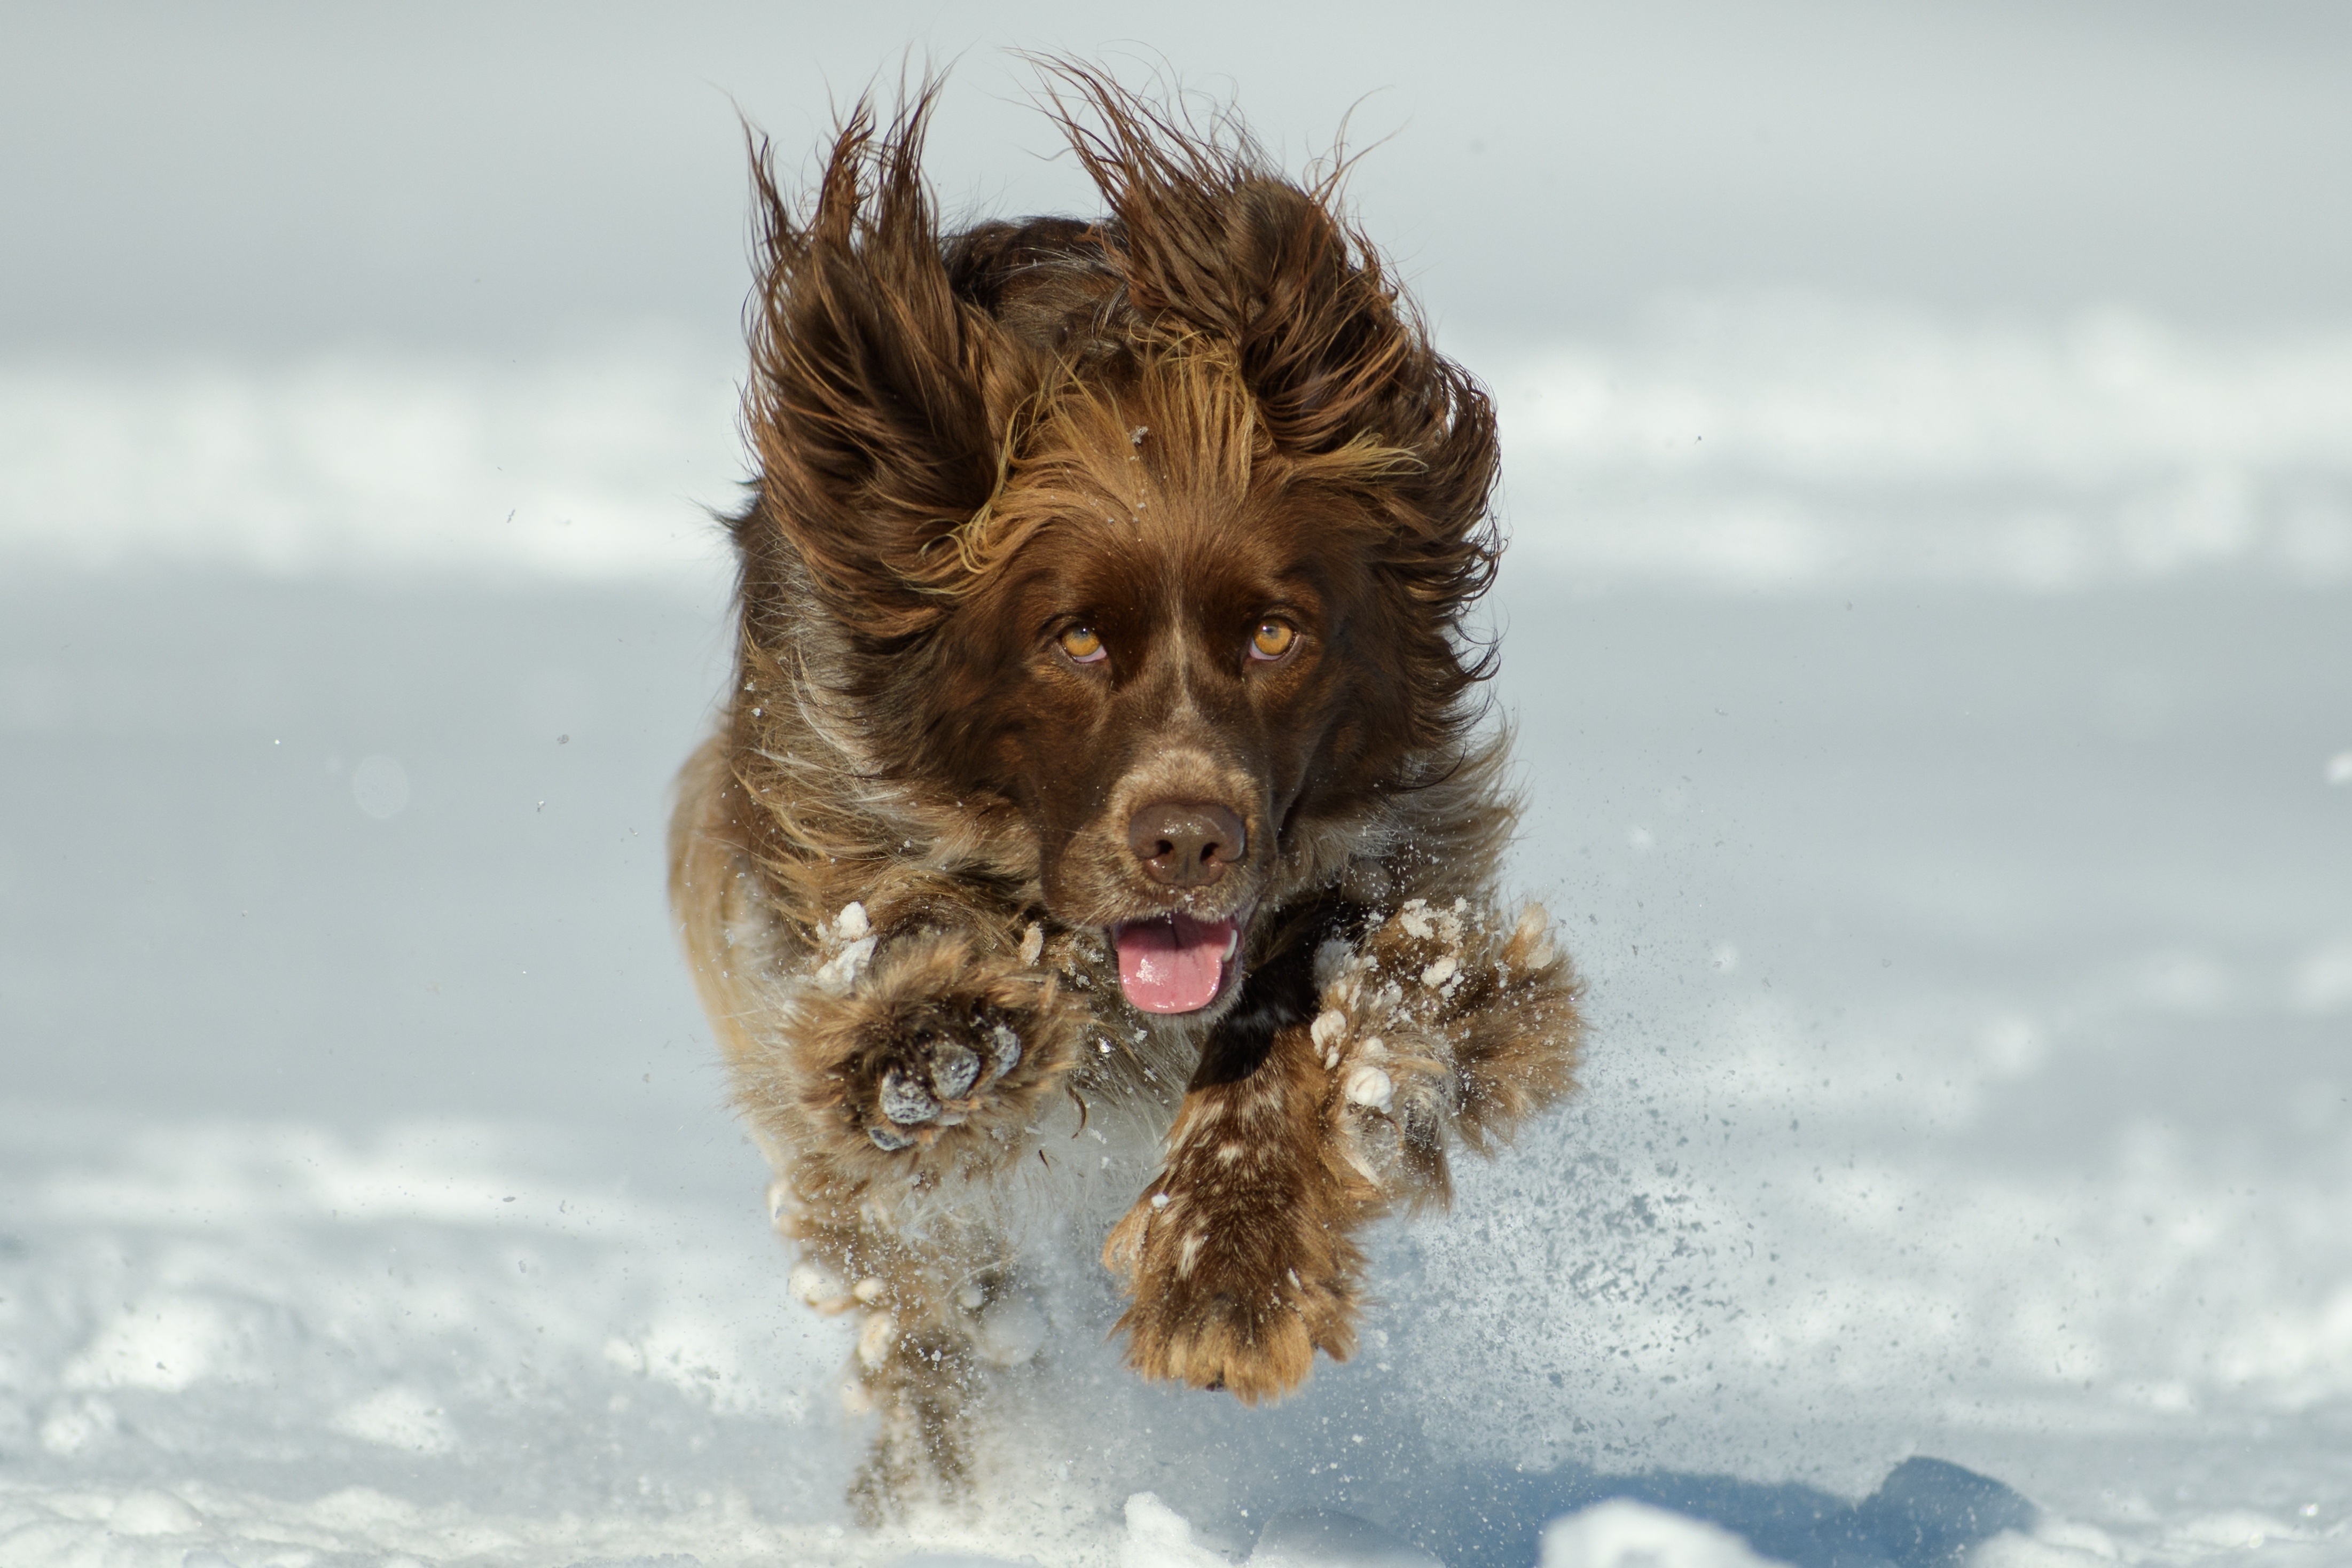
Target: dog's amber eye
[
  {"x": 1082, "y": 645},
  {"x": 1273, "y": 639}
]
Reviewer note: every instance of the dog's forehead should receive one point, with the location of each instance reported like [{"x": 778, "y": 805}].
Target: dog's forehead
[{"x": 1193, "y": 562}]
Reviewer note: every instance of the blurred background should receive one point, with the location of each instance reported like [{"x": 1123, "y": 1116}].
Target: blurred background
[{"x": 1929, "y": 623}]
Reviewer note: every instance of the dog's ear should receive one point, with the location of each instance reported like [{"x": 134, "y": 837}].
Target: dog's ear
[
  {"x": 1212, "y": 238},
  {"x": 869, "y": 407}
]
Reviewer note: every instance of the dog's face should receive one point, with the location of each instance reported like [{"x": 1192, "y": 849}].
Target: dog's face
[
  {"x": 1187, "y": 650},
  {"x": 1176, "y": 696}
]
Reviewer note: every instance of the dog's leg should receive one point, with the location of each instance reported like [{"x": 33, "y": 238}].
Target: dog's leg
[
  {"x": 889, "y": 1066},
  {"x": 1241, "y": 1255},
  {"x": 906, "y": 1073},
  {"x": 934, "y": 1318}
]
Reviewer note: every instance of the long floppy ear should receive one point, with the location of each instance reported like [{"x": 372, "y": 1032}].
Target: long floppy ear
[
  {"x": 1212, "y": 239},
  {"x": 870, "y": 406}
]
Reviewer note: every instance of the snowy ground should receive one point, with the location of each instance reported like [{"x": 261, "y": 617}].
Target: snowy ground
[{"x": 1956, "y": 822}]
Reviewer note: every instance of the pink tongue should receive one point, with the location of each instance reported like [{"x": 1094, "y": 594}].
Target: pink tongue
[{"x": 1172, "y": 964}]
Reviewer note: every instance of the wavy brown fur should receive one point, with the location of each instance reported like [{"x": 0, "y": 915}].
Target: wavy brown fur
[{"x": 1205, "y": 424}]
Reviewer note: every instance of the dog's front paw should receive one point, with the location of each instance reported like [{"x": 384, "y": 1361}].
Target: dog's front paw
[
  {"x": 935, "y": 1070},
  {"x": 934, "y": 1052},
  {"x": 1481, "y": 1012},
  {"x": 1238, "y": 1301}
]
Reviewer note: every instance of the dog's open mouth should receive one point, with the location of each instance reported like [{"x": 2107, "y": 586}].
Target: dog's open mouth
[{"x": 1174, "y": 963}]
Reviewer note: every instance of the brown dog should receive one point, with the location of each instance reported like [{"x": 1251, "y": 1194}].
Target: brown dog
[{"x": 1100, "y": 756}]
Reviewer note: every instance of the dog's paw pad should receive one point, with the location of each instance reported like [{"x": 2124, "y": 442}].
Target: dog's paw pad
[
  {"x": 955, "y": 1067},
  {"x": 936, "y": 1077},
  {"x": 905, "y": 1100},
  {"x": 1003, "y": 1048}
]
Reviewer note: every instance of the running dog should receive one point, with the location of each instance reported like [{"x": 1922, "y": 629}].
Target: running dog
[{"x": 1102, "y": 755}]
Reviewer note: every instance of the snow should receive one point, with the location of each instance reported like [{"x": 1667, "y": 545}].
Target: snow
[
  {"x": 587, "y": 465},
  {"x": 1790, "y": 441},
  {"x": 1609, "y": 1534},
  {"x": 1962, "y": 1161},
  {"x": 1765, "y": 441}
]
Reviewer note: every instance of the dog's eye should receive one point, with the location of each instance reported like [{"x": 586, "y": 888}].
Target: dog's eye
[
  {"x": 1083, "y": 645},
  {"x": 1273, "y": 639}
]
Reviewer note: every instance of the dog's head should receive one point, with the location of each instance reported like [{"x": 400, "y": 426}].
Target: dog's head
[{"x": 1159, "y": 530}]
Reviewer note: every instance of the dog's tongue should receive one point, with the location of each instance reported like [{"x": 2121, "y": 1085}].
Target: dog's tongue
[{"x": 1172, "y": 964}]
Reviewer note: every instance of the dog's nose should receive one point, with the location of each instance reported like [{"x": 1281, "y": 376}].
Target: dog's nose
[{"x": 1184, "y": 844}]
